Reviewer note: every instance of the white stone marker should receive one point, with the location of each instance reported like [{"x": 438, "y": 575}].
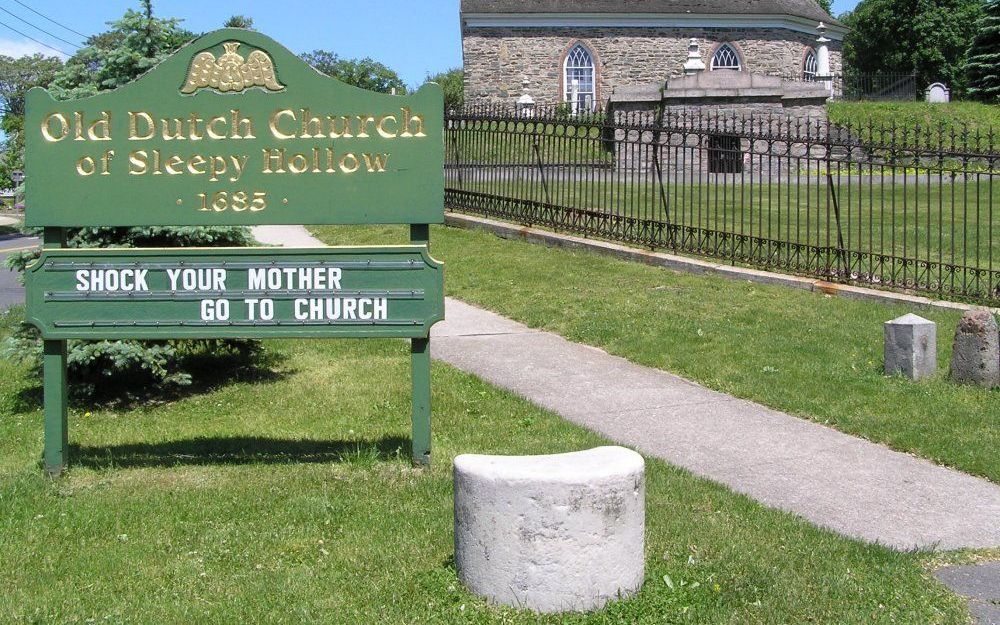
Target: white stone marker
[
  {"x": 938, "y": 93},
  {"x": 911, "y": 347},
  {"x": 551, "y": 533}
]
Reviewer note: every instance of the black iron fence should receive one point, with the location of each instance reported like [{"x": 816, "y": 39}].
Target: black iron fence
[
  {"x": 909, "y": 208},
  {"x": 883, "y": 87}
]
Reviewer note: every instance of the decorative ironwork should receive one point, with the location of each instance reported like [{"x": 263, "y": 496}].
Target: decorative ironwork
[{"x": 914, "y": 208}]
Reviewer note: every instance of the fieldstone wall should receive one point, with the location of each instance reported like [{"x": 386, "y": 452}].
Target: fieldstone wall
[{"x": 497, "y": 60}]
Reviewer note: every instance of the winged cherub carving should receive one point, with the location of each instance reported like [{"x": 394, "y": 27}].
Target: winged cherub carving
[{"x": 231, "y": 73}]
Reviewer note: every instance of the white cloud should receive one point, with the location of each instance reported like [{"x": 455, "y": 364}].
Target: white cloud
[{"x": 14, "y": 48}]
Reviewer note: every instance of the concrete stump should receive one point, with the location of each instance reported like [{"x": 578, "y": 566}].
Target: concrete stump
[
  {"x": 551, "y": 533},
  {"x": 911, "y": 347},
  {"x": 975, "y": 358}
]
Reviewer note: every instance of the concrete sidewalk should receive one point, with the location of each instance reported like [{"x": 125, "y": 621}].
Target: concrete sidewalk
[{"x": 847, "y": 484}]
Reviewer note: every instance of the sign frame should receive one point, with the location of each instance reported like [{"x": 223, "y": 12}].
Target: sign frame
[
  {"x": 62, "y": 309},
  {"x": 212, "y": 71},
  {"x": 312, "y": 150}
]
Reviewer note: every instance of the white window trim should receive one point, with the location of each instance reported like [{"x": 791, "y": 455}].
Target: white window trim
[
  {"x": 735, "y": 54},
  {"x": 809, "y": 75},
  {"x": 568, "y": 87}
]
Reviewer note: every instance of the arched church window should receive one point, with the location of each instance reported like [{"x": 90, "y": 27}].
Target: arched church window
[
  {"x": 809, "y": 66},
  {"x": 726, "y": 57},
  {"x": 579, "y": 79}
]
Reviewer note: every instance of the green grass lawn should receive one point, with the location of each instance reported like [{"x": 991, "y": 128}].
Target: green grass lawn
[
  {"x": 510, "y": 142},
  {"x": 954, "y": 116},
  {"x": 292, "y": 501},
  {"x": 937, "y": 221},
  {"x": 807, "y": 354}
]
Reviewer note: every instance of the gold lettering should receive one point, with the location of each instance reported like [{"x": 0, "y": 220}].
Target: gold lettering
[
  {"x": 78, "y": 126},
  {"x": 86, "y": 166},
  {"x": 275, "y": 118},
  {"x": 388, "y": 134},
  {"x": 216, "y": 167},
  {"x": 376, "y": 162},
  {"x": 133, "y": 126},
  {"x": 101, "y": 129},
  {"x": 312, "y": 126},
  {"x": 137, "y": 164},
  {"x": 194, "y": 123},
  {"x": 178, "y": 132},
  {"x": 212, "y": 132},
  {"x": 276, "y": 158},
  {"x": 298, "y": 164},
  {"x": 242, "y": 126},
  {"x": 343, "y": 133},
  {"x": 63, "y": 128},
  {"x": 409, "y": 119},
  {"x": 171, "y": 165},
  {"x": 363, "y": 121},
  {"x": 106, "y": 162},
  {"x": 195, "y": 164},
  {"x": 239, "y": 164},
  {"x": 353, "y": 167}
]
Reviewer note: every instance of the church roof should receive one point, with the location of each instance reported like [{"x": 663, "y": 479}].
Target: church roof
[{"x": 807, "y": 9}]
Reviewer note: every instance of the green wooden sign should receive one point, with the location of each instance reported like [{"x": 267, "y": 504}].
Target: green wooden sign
[
  {"x": 235, "y": 293},
  {"x": 235, "y": 129}
]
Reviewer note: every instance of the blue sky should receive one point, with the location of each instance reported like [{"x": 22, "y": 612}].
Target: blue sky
[{"x": 414, "y": 38}]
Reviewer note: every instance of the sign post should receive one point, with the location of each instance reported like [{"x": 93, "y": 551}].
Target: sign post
[{"x": 234, "y": 129}]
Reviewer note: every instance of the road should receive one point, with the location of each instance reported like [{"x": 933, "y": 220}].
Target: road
[{"x": 11, "y": 291}]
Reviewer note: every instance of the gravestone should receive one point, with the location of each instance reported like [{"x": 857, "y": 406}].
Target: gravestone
[
  {"x": 234, "y": 129},
  {"x": 938, "y": 93},
  {"x": 911, "y": 347},
  {"x": 975, "y": 357}
]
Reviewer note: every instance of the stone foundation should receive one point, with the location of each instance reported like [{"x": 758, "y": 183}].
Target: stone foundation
[{"x": 719, "y": 122}]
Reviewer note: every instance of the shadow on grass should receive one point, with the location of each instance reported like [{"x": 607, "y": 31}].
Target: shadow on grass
[
  {"x": 238, "y": 451},
  {"x": 208, "y": 373}
]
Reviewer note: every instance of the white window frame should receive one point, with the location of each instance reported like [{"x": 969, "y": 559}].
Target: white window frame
[
  {"x": 585, "y": 98},
  {"x": 728, "y": 53},
  {"x": 810, "y": 66}
]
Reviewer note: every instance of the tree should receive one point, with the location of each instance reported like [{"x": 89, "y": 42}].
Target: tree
[
  {"x": 365, "y": 73},
  {"x": 826, "y": 5},
  {"x": 135, "y": 44},
  {"x": 17, "y": 76},
  {"x": 132, "y": 46},
  {"x": 927, "y": 37},
  {"x": 453, "y": 84},
  {"x": 983, "y": 68},
  {"x": 239, "y": 21}
]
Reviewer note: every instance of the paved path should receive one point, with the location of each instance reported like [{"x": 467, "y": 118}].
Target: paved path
[
  {"x": 981, "y": 584},
  {"x": 847, "y": 484}
]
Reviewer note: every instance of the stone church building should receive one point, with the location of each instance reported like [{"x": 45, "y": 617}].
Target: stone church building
[{"x": 580, "y": 51}]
